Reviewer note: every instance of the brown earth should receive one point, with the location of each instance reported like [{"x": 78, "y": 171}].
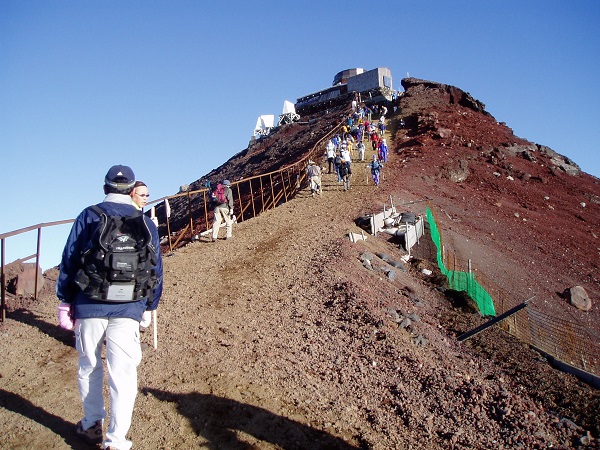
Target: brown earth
[{"x": 282, "y": 339}]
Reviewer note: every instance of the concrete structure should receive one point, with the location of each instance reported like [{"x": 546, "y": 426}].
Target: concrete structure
[
  {"x": 343, "y": 76},
  {"x": 380, "y": 77},
  {"x": 372, "y": 86}
]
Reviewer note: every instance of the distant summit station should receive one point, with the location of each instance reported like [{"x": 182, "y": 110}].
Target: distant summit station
[{"x": 369, "y": 86}]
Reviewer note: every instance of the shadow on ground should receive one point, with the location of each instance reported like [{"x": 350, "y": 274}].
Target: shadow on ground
[
  {"x": 66, "y": 430},
  {"x": 220, "y": 421}
]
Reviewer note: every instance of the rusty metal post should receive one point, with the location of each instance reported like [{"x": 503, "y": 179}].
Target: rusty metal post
[
  {"x": 169, "y": 233},
  {"x": 283, "y": 186},
  {"x": 262, "y": 195},
  {"x": 37, "y": 262},
  {"x": 205, "y": 209},
  {"x": 2, "y": 281},
  {"x": 290, "y": 184},
  {"x": 240, "y": 202},
  {"x": 180, "y": 237},
  {"x": 252, "y": 197},
  {"x": 272, "y": 189},
  {"x": 291, "y": 175},
  {"x": 189, "y": 197}
]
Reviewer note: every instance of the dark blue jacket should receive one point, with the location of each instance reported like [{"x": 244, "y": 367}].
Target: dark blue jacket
[{"x": 80, "y": 236}]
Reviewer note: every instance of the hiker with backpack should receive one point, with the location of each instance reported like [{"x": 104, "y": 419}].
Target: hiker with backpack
[
  {"x": 361, "y": 151},
  {"x": 345, "y": 172},
  {"x": 374, "y": 139},
  {"x": 345, "y": 154},
  {"x": 375, "y": 167},
  {"x": 381, "y": 126},
  {"x": 222, "y": 200},
  {"x": 109, "y": 282},
  {"x": 384, "y": 111},
  {"x": 314, "y": 178},
  {"x": 337, "y": 162}
]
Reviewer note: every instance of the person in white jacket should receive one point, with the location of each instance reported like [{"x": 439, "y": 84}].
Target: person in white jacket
[
  {"x": 313, "y": 172},
  {"x": 330, "y": 154}
]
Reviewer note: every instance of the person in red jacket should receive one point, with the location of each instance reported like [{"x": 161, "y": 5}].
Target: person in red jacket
[{"x": 374, "y": 140}]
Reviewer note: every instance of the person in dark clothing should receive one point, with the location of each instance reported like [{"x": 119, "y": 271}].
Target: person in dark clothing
[
  {"x": 337, "y": 162},
  {"x": 113, "y": 322},
  {"x": 345, "y": 172}
]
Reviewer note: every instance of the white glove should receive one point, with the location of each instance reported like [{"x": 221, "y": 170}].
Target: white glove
[
  {"x": 231, "y": 211},
  {"x": 146, "y": 319}
]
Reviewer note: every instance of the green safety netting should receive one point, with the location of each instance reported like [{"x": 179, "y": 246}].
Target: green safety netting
[{"x": 461, "y": 281}]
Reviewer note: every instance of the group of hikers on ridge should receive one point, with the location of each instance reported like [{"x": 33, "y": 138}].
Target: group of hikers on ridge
[{"x": 339, "y": 150}]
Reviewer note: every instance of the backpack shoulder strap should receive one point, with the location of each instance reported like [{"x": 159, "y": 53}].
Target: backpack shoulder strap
[{"x": 98, "y": 210}]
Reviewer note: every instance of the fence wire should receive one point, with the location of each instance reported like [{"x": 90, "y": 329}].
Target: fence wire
[{"x": 558, "y": 337}]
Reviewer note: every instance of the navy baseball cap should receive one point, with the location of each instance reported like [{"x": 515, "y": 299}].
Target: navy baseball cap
[{"x": 120, "y": 177}]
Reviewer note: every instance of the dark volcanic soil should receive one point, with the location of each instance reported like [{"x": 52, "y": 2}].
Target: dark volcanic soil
[{"x": 283, "y": 339}]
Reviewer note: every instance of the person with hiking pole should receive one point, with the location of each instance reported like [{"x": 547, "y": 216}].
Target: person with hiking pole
[{"x": 109, "y": 282}]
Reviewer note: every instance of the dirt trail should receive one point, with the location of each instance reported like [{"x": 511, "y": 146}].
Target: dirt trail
[{"x": 282, "y": 339}]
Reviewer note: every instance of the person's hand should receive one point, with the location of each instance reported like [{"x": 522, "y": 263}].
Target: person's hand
[
  {"x": 65, "y": 320},
  {"x": 231, "y": 211},
  {"x": 146, "y": 319}
]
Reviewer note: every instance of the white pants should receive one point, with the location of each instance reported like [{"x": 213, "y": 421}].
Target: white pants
[
  {"x": 222, "y": 213},
  {"x": 315, "y": 184},
  {"x": 123, "y": 355}
]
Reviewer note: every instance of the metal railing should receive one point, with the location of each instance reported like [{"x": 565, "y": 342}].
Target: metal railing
[
  {"x": 252, "y": 196},
  {"x": 36, "y": 255}
]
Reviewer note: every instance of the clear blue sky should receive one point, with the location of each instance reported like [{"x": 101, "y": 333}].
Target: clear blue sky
[{"x": 174, "y": 88}]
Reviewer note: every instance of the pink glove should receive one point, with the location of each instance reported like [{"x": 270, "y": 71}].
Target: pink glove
[{"x": 64, "y": 316}]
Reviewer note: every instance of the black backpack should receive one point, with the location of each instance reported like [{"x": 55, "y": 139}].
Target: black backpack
[
  {"x": 119, "y": 264},
  {"x": 345, "y": 169}
]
